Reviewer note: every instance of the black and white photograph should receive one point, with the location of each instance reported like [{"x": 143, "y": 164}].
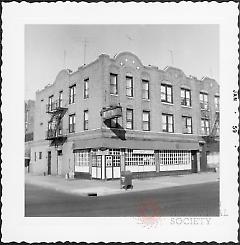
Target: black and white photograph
[{"x": 124, "y": 124}]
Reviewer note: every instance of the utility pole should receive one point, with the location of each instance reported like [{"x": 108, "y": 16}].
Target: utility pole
[{"x": 171, "y": 54}]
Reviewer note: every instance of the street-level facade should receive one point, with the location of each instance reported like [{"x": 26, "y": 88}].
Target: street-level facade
[{"x": 116, "y": 114}]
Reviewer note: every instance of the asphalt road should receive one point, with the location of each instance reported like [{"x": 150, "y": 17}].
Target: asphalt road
[{"x": 191, "y": 200}]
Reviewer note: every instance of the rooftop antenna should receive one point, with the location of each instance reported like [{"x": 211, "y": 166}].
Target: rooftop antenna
[
  {"x": 64, "y": 59},
  {"x": 85, "y": 42},
  {"x": 171, "y": 54}
]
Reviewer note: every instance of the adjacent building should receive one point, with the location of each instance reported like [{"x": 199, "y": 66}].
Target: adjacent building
[{"x": 117, "y": 114}]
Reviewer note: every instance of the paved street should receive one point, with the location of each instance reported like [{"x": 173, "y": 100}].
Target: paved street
[{"x": 190, "y": 200}]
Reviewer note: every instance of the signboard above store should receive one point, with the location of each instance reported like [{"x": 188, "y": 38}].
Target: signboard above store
[
  {"x": 143, "y": 151},
  {"x": 111, "y": 112}
]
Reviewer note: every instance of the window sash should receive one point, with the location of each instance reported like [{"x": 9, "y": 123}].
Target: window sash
[
  {"x": 129, "y": 119},
  {"x": 146, "y": 121},
  {"x": 129, "y": 86},
  {"x": 145, "y": 89},
  {"x": 167, "y": 123},
  {"x": 86, "y": 89},
  {"x": 72, "y": 94},
  {"x": 166, "y": 93},
  {"x": 185, "y": 97},
  {"x": 113, "y": 84},
  {"x": 85, "y": 126},
  {"x": 71, "y": 123}
]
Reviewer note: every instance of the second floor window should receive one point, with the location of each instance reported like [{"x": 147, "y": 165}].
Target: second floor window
[
  {"x": 71, "y": 123},
  {"x": 167, "y": 123},
  {"x": 145, "y": 89},
  {"x": 185, "y": 97},
  {"x": 187, "y": 125},
  {"x": 72, "y": 94},
  {"x": 205, "y": 128},
  {"x": 146, "y": 121},
  {"x": 216, "y": 102},
  {"x": 203, "y": 101},
  {"x": 86, "y": 89},
  {"x": 85, "y": 124},
  {"x": 113, "y": 84},
  {"x": 129, "y": 119},
  {"x": 129, "y": 86},
  {"x": 60, "y": 98},
  {"x": 166, "y": 93}
]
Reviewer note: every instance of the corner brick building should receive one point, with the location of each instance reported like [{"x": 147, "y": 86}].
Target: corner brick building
[{"x": 116, "y": 114}]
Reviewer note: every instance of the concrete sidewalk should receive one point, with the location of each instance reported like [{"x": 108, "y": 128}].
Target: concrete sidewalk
[{"x": 102, "y": 188}]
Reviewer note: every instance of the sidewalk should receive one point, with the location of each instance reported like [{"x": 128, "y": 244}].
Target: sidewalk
[{"x": 103, "y": 188}]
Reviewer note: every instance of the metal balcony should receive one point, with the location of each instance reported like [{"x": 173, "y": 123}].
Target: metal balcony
[
  {"x": 56, "y": 106},
  {"x": 52, "y": 134}
]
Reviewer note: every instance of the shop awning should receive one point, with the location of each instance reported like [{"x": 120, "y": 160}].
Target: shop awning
[{"x": 135, "y": 144}]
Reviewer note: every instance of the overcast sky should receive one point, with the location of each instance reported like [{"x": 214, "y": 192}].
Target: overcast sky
[{"x": 192, "y": 48}]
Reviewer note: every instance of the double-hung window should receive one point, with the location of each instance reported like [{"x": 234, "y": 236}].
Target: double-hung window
[
  {"x": 86, "y": 89},
  {"x": 129, "y": 119},
  {"x": 187, "y": 125},
  {"x": 72, "y": 94},
  {"x": 185, "y": 97},
  {"x": 216, "y": 102},
  {"x": 205, "y": 128},
  {"x": 129, "y": 86},
  {"x": 166, "y": 93},
  {"x": 72, "y": 123},
  {"x": 146, "y": 121},
  {"x": 113, "y": 84},
  {"x": 60, "y": 99},
  {"x": 145, "y": 89},
  {"x": 167, "y": 123},
  {"x": 203, "y": 100},
  {"x": 85, "y": 124},
  {"x": 50, "y": 103}
]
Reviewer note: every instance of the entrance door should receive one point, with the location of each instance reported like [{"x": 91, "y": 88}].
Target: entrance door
[
  {"x": 97, "y": 167},
  {"x": 49, "y": 162},
  {"x": 59, "y": 162},
  {"x": 108, "y": 167}
]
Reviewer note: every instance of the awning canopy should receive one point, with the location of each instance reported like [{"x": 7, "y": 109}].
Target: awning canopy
[{"x": 135, "y": 144}]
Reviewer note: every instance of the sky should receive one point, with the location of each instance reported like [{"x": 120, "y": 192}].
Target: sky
[{"x": 50, "y": 48}]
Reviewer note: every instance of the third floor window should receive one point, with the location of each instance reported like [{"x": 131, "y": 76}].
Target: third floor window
[
  {"x": 72, "y": 94},
  {"x": 203, "y": 100},
  {"x": 129, "y": 86},
  {"x": 60, "y": 98},
  {"x": 166, "y": 93},
  {"x": 86, "y": 89},
  {"x": 145, "y": 89},
  {"x": 185, "y": 97},
  {"x": 72, "y": 123},
  {"x": 216, "y": 102},
  {"x": 113, "y": 84}
]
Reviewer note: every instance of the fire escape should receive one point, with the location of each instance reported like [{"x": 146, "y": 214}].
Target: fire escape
[
  {"x": 55, "y": 132},
  {"x": 213, "y": 135}
]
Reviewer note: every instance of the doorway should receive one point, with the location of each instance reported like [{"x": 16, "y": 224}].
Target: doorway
[{"x": 49, "y": 163}]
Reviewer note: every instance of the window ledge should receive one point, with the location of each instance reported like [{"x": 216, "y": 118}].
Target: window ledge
[
  {"x": 114, "y": 94},
  {"x": 186, "y": 106},
  {"x": 167, "y": 103},
  {"x": 130, "y": 97},
  {"x": 148, "y": 100}
]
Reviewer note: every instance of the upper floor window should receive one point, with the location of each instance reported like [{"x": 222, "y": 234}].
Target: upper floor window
[
  {"x": 86, "y": 89},
  {"x": 146, "y": 121},
  {"x": 185, "y": 97},
  {"x": 187, "y": 125},
  {"x": 40, "y": 155},
  {"x": 113, "y": 84},
  {"x": 85, "y": 124},
  {"x": 72, "y": 94},
  {"x": 60, "y": 98},
  {"x": 167, "y": 123},
  {"x": 216, "y": 102},
  {"x": 50, "y": 103},
  {"x": 129, "y": 119},
  {"x": 203, "y": 100},
  {"x": 166, "y": 93},
  {"x": 145, "y": 89},
  {"x": 129, "y": 86},
  {"x": 205, "y": 128},
  {"x": 72, "y": 123}
]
